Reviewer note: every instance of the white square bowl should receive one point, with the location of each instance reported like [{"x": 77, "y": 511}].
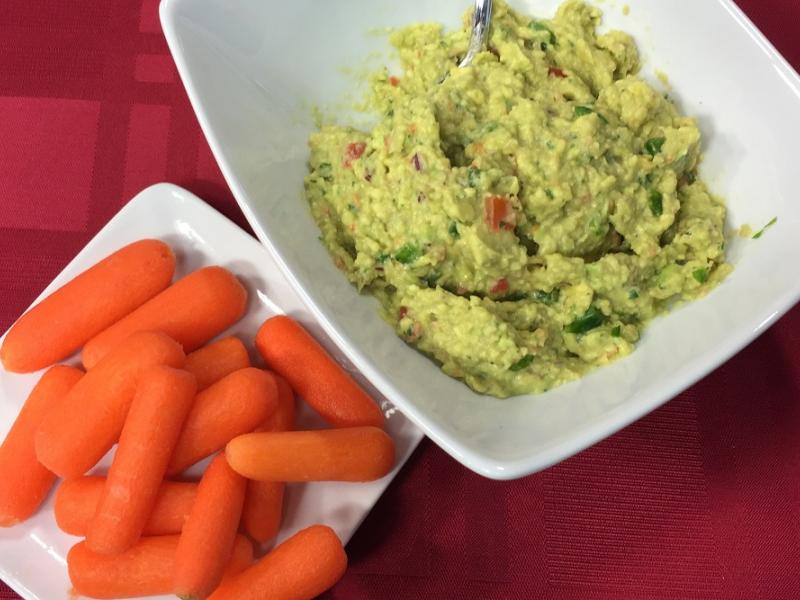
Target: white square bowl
[{"x": 254, "y": 69}]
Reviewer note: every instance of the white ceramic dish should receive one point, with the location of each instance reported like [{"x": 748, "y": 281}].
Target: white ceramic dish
[
  {"x": 33, "y": 555},
  {"x": 253, "y": 69}
]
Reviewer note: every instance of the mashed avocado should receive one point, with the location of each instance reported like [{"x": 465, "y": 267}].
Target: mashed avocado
[{"x": 523, "y": 219}]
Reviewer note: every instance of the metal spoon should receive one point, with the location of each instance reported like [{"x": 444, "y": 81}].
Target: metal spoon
[{"x": 480, "y": 31}]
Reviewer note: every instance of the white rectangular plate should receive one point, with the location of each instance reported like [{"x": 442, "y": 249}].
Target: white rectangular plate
[{"x": 33, "y": 555}]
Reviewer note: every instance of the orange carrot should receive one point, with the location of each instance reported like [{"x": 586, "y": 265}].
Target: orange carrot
[
  {"x": 163, "y": 399},
  {"x": 263, "y": 504},
  {"x": 234, "y": 405},
  {"x": 144, "y": 570},
  {"x": 351, "y": 454},
  {"x": 284, "y": 416},
  {"x": 82, "y": 428},
  {"x": 76, "y": 502},
  {"x": 207, "y": 538},
  {"x": 213, "y": 362},
  {"x": 301, "y": 568},
  {"x": 191, "y": 311},
  {"x": 292, "y": 353},
  {"x": 25, "y": 481},
  {"x": 96, "y": 299}
]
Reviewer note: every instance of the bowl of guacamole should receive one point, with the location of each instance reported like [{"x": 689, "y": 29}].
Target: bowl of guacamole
[
  {"x": 521, "y": 220},
  {"x": 527, "y": 255}
]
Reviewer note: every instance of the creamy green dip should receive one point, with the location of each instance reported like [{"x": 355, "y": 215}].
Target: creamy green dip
[{"x": 522, "y": 220}]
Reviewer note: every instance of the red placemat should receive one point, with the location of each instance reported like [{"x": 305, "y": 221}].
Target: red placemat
[{"x": 699, "y": 500}]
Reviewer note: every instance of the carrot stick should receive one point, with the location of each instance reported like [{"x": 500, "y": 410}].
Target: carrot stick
[
  {"x": 207, "y": 538},
  {"x": 292, "y": 353},
  {"x": 263, "y": 504},
  {"x": 25, "y": 481},
  {"x": 163, "y": 399},
  {"x": 97, "y": 298},
  {"x": 301, "y": 568},
  {"x": 76, "y": 502},
  {"x": 234, "y": 405},
  {"x": 352, "y": 454},
  {"x": 213, "y": 362},
  {"x": 144, "y": 570},
  {"x": 285, "y": 412},
  {"x": 191, "y": 311},
  {"x": 82, "y": 428}
]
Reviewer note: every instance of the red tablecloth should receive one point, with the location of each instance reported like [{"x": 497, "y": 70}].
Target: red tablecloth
[{"x": 699, "y": 500}]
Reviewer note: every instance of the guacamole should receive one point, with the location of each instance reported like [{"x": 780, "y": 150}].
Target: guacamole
[{"x": 521, "y": 220}]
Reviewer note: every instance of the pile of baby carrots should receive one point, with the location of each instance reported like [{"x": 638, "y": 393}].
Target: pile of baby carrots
[{"x": 154, "y": 384}]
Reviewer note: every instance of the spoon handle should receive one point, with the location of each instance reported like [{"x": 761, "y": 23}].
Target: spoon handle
[{"x": 480, "y": 30}]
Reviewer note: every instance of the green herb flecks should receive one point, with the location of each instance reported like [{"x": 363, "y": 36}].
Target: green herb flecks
[
  {"x": 591, "y": 319},
  {"x": 656, "y": 201},
  {"x": 453, "y": 230},
  {"x": 536, "y": 26},
  {"x": 654, "y": 145},
  {"x": 700, "y": 275},
  {"x": 522, "y": 363},
  {"x": 582, "y": 111},
  {"x": 514, "y": 297},
  {"x": 547, "y": 298},
  {"x": 408, "y": 254},
  {"x": 764, "y": 229}
]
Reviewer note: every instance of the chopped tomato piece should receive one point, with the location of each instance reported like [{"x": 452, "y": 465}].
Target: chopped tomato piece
[
  {"x": 394, "y": 81},
  {"x": 496, "y": 210},
  {"x": 556, "y": 72},
  {"x": 500, "y": 287},
  {"x": 354, "y": 152},
  {"x": 402, "y": 312}
]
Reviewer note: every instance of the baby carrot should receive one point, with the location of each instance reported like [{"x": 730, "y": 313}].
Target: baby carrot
[
  {"x": 96, "y": 299},
  {"x": 234, "y": 405},
  {"x": 144, "y": 570},
  {"x": 351, "y": 454},
  {"x": 284, "y": 416},
  {"x": 82, "y": 428},
  {"x": 292, "y": 353},
  {"x": 191, "y": 311},
  {"x": 207, "y": 538},
  {"x": 213, "y": 362},
  {"x": 163, "y": 399},
  {"x": 263, "y": 504},
  {"x": 25, "y": 481},
  {"x": 77, "y": 499},
  {"x": 301, "y": 568}
]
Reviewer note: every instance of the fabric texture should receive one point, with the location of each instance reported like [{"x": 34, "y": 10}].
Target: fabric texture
[{"x": 699, "y": 500}]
